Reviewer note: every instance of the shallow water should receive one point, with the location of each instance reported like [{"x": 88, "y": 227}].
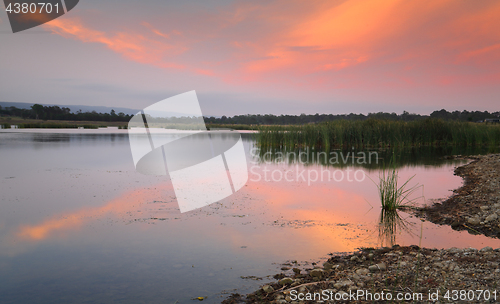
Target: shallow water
[{"x": 79, "y": 224}]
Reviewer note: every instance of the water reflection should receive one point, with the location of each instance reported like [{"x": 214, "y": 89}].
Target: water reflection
[
  {"x": 77, "y": 223},
  {"x": 390, "y": 225},
  {"x": 369, "y": 159}
]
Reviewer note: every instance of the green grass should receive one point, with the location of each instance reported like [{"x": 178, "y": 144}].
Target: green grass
[
  {"x": 374, "y": 133},
  {"x": 393, "y": 195}
]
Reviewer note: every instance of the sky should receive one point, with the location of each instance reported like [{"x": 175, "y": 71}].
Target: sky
[{"x": 261, "y": 57}]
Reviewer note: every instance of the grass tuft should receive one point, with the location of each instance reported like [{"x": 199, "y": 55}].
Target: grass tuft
[{"x": 394, "y": 196}]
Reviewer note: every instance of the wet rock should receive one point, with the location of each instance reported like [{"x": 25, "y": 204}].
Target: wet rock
[
  {"x": 267, "y": 288},
  {"x": 285, "y": 281},
  {"x": 318, "y": 273}
]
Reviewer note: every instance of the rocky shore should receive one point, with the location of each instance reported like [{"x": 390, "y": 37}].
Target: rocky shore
[
  {"x": 410, "y": 274},
  {"x": 476, "y": 205}
]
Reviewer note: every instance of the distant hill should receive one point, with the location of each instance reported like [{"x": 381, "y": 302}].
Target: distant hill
[{"x": 74, "y": 108}]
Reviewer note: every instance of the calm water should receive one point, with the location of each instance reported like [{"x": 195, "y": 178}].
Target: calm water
[{"x": 78, "y": 224}]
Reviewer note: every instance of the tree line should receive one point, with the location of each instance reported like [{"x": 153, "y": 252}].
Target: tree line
[
  {"x": 38, "y": 111},
  {"x": 269, "y": 119}
]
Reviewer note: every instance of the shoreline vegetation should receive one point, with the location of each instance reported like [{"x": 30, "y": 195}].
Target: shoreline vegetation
[
  {"x": 320, "y": 130},
  {"x": 379, "y": 134}
]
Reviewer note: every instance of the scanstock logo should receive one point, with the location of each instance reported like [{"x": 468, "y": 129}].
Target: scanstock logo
[
  {"x": 24, "y": 15},
  {"x": 170, "y": 138}
]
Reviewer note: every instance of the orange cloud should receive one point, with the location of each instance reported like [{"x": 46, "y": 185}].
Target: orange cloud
[
  {"x": 320, "y": 45},
  {"x": 135, "y": 47}
]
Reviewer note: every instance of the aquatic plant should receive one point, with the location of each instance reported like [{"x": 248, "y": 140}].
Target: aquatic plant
[
  {"x": 392, "y": 195},
  {"x": 373, "y": 133}
]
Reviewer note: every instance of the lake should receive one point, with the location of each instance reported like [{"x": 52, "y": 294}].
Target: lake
[{"x": 78, "y": 224}]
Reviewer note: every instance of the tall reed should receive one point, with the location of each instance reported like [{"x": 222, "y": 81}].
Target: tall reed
[
  {"x": 392, "y": 195},
  {"x": 373, "y": 133}
]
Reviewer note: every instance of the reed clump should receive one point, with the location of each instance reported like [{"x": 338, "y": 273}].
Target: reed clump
[
  {"x": 374, "y": 133},
  {"x": 394, "y": 196}
]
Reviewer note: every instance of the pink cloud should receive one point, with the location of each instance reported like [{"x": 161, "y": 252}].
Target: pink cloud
[{"x": 133, "y": 46}]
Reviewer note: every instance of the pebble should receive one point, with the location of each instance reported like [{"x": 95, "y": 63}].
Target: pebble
[
  {"x": 362, "y": 271},
  {"x": 377, "y": 267},
  {"x": 474, "y": 220},
  {"x": 318, "y": 273},
  {"x": 491, "y": 217},
  {"x": 267, "y": 288},
  {"x": 285, "y": 281}
]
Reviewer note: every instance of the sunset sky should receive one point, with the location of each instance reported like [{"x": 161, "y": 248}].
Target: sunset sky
[{"x": 258, "y": 57}]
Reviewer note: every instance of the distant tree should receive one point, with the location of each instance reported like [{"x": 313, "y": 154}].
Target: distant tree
[{"x": 37, "y": 110}]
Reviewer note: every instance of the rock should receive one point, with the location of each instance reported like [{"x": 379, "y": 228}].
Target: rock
[
  {"x": 491, "y": 217},
  {"x": 341, "y": 284},
  {"x": 285, "y": 281},
  {"x": 285, "y": 268},
  {"x": 486, "y": 249},
  {"x": 362, "y": 271},
  {"x": 377, "y": 267},
  {"x": 354, "y": 258},
  {"x": 267, "y": 288},
  {"x": 318, "y": 273},
  {"x": 473, "y": 220},
  {"x": 296, "y": 270},
  {"x": 484, "y": 208},
  {"x": 327, "y": 266}
]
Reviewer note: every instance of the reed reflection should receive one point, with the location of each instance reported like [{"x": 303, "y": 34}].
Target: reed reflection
[{"x": 391, "y": 224}]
